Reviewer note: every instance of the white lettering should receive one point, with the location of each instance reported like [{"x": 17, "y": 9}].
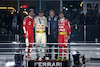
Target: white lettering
[
  {"x": 61, "y": 29},
  {"x": 53, "y": 64},
  {"x": 48, "y": 63},
  {"x": 58, "y": 63},
  {"x": 40, "y": 64},
  {"x": 44, "y": 64},
  {"x": 35, "y": 64}
]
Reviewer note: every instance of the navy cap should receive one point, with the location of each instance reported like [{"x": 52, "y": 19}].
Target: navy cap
[{"x": 40, "y": 11}]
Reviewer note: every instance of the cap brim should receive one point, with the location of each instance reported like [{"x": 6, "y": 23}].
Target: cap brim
[
  {"x": 40, "y": 12},
  {"x": 31, "y": 11}
]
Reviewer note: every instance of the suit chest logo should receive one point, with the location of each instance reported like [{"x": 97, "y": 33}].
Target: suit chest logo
[
  {"x": 29, "y": 22},
  {"x": 61, "y": 24}
]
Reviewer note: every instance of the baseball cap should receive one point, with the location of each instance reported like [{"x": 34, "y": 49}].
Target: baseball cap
[
  {"x": 52, "y": 10},
  {"x": 61, "y": 12},
  {"x": 31, "y": 10},
  {"x": 40, "y": 11}
]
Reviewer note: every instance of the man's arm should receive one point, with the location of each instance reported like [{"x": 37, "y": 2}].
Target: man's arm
[
  {"x": 69, "y": 29},
  {"x": 35, "y": 21},
  {"x": 24, "y": 28},
  {"x": 48, "y": 23}
]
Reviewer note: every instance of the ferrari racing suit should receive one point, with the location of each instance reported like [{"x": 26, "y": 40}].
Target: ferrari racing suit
[
  {"x": 28, "y": 24},
  {"x": 64, "y": 30}
]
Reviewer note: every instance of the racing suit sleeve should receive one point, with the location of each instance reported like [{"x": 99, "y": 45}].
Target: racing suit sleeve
[
  {"x": 33, "y": 23},
  {"x": 68, "y": 27},
  {"x": 24, "y": 26},
  {"x": 35, "y": 20}
]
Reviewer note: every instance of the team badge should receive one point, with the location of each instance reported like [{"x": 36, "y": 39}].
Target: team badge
[{"x": 40, "y": 25}]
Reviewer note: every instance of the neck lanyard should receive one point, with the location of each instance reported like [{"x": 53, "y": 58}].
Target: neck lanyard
[{"x": 39, "y": 20}]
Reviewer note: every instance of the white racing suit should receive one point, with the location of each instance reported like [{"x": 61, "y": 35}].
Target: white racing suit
[{"x": 40, "y": 34}]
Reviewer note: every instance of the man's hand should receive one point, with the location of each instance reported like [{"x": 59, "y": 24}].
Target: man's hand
[
  {"x": 46, "y": 25},
  {"x": 82, "y": 66},
  {"x": 68, "y": 37},
  {"x": 26, "y": 36}
]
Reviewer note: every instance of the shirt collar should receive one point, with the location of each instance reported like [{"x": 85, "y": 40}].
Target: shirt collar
[
  {"x": 42, "y": 17},
  {"x": 62, "y": 18},
  {"x": 30, "y": 16},
  {"x": 53, "y": 16}
]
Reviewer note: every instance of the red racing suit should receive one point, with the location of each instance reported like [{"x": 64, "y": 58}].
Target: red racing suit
[
  {"x": 64, "y": 30},
  {"x": 28, "y": 24}
]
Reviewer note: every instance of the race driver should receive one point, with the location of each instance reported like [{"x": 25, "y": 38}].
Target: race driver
[
  {"x": 40, "y": 33},
  {"x": 28, "y": 24},
  {"x": 64, "y": 35}
]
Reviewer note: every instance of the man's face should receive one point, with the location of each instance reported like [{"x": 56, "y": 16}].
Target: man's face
[
  {"x": 41, "y": 14},
  {"x": 31, "y": 14},
  {"x": 61, "y": 15},
  {"x": 51, "y": 13}
]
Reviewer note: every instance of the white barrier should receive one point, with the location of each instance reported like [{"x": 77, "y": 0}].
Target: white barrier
[{"x": 69, "y": 48}]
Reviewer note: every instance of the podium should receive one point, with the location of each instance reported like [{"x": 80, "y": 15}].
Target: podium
[{"x": 47, "y": 63}]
